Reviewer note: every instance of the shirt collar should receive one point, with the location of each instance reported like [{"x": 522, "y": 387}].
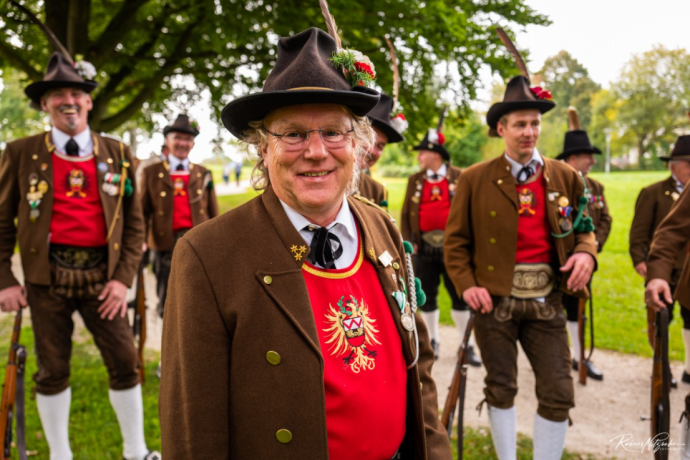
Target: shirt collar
[
  {"x": 441, "y": 173},
  {"x": 679, "y": 185},
  {"x": 173, "y": 161},
  {"x": 344, "y": 218},
  {"x": 515, "y": 167},
  {"x": 83, "y": 140}
]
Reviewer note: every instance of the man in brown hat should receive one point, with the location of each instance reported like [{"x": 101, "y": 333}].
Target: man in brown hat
[
  {"x": 423, "y": 222},
  {"x": 297, "y": 337},
  {"x": 653, "y": 204},
  {"x": 671, "y": 238},
  {"x": 176, "y": 196},
  {"x": 516, "y": 238},
  {"x": 80, "y": 235},
  {"x": 384, "y": 125},
  {"x": 579, "y": 153}
]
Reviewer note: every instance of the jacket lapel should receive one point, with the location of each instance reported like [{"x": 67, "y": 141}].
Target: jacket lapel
[
  {"x": 504, "y": 180},
  {"x": 552, "y": 189}
]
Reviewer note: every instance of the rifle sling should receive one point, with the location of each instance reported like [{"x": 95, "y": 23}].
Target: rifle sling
[{"x": 19, "y": 404}]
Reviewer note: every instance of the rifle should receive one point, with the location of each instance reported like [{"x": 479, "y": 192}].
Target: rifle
[
  {"x": 581, "y": 326},
  {"x": 661, "y": 386},
  {"x": 139, "y": 323},
  {"x": 456, "y": 392},
  {"x": 12, "y": 402}
]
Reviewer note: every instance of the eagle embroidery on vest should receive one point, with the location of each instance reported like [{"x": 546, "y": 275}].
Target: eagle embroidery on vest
[
  {"x": 77, "y": 183},
  {"x": 526, "y": 201},
  {"x": 353, "y": 332}
]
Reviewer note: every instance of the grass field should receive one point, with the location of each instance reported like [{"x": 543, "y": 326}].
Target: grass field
[{"x": 620, "y": 324}]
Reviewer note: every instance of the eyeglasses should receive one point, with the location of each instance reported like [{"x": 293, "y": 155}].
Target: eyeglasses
[{"x": 332, "y": 137}]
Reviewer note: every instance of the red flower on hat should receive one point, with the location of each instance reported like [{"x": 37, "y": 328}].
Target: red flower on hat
[
  {"x": 401, "y": 116},
  {"x": 363, "y": 67},
  {"x": 441, "y": 139},
  {"x": 541, "y": 93}
]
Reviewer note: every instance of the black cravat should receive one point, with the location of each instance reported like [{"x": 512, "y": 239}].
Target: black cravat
[
  {"x": 72, "y": 148},
  {"x": 434, "y": 176},
  {"x": 321, "y": 251},
  {"x": 180, "y": 167},
  {"x": 527, "y": 172}
]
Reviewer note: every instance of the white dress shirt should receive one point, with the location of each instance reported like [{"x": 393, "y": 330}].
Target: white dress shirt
[
  {"x": 533, "y": 163},
  {"x": 441, "y": 173},
  {"x": 83, "y": 140},
  {"x": 346, "y": 232},
  {"x": 679, "y": 185},
  {"x": 173, "y": 161}
]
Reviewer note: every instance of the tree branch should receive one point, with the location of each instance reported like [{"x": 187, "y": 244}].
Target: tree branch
[
  {"x": 16, "y": 59},
  {"x": 104, "y": 48}
]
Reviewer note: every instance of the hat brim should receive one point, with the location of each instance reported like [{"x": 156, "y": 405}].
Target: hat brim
[
  {"x": 684, "y": 157},
  {"x": 37, "y": 89},
  {"x": 566, "y": 153},
  {"x": 238, "y": 113},
  {"x": 434, "y": 148},
  {"x": 391, "y": 133},
  {"x": 175, "y": 129},
  {"x": 501, "y": 108}
]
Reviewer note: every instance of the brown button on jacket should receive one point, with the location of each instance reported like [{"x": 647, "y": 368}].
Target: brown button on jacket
[
  {"x": 653, "y": 205},
  {"x": 243, "y": 363},
  {"x": 409, "y": 216},
  {"x": 371, "y": 190},
  {"x": 481, "y": 236},
  {"x": 157, "y": 202},
  {"x": 33, "y": 155},
  {"x": 599, "y": 212},
  {"x": 671, "y": 240}
]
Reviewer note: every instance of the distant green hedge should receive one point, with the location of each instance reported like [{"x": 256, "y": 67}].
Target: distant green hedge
[{"x": 396, "y": 170}]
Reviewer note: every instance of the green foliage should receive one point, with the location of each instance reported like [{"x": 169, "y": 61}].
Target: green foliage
[
  {"x": 465, "y": 140},
  {"x": 17, "y": 119},
  {"x": 348, "y": 60},
  {"x": 228, "y": 47}
]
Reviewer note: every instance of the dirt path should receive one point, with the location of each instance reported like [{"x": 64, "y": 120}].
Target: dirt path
[{"x": 605, "y": 412}]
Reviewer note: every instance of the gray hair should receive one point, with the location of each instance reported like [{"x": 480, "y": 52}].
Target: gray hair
[{"x": 255, "y": 141}]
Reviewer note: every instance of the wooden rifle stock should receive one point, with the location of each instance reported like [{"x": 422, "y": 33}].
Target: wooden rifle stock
[
  {"x": 9, "y": 390},
  {"x": 139, "y": 326},
  {"x": 581, "y": 325},
  {"x": 661, "y": 386},
  {"x": 456, "y": 392}
]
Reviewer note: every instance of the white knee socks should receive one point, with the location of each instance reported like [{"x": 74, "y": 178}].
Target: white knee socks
[
  {"x": 129, "y": 408},
  {"x": 461, "y": 318},
  {"x": 503, "y": 432},
  {"x": 548, "y": 438},
  {"x": 431, "y": 321},
  {"x": 54, "y": 413},
  {"x": 574, "y": 330}
]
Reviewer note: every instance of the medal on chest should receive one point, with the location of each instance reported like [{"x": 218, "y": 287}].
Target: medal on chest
[
  {"x": 352, "y": 333},
  {"x": 36, "y": 191},
  {"x": 179, "y": 187},
  {"x": 111, "y": 183}
]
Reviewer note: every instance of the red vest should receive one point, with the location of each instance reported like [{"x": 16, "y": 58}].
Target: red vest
[
  {"x": 534, "y": 241},
  {"x": 434, "y": 206},
  {"x": 365, "y": 377},
  {"x": 182, "y": 213},
  {"x": 77, "y": 217}
]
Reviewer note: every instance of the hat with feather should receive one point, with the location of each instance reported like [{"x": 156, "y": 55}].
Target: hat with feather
[
  {"x": 681, "y": 149},
  {"x": 434, "y": 140},
  {"x": 518, "y": 95},
  {"x": 576, "y": 140},
  {"x": 311, "y": 68}
]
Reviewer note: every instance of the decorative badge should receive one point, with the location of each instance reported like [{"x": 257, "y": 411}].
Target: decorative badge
[
  {"x": 436, "y": 193},
  {"x": 178, "y": 187},
  {"x": 298, "y": 251},
  {"x": 526, "y": 201},
  {"x": 675, "y": 196},
  {"x": 357, "y": 68},
  {"x": 352, "y": 332},
  {"x": 77, "y": 183}
]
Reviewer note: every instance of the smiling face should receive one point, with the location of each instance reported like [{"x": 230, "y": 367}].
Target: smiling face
[
  {"x": 520, "y": 130},
  {"x": 377, "y": 149},
  {"x": 179, "y": 144},
  {"x": 68, "y": 109},
  {"x": 582, "y": 162},
  {"x": 310, "y": 177}
]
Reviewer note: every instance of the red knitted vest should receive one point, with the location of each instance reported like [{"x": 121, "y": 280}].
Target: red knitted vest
[
  {"x": 434, "y": 206},
  {"x": 182, "y": 213},
  {"x": 534, "y": 243}
]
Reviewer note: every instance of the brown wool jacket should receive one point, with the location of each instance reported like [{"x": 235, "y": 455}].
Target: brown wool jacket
[
  {"x": 157, "y": 202},
  {"x": 236, "y": 293},
  {"x": 481, "y": 237},
  {"x": 599, "y": 212},
  {"x": 653, "y": 205},
  {"x": 372, "y": 190},
  {"x": 409, "y": 217},
  {"x": 32, "y": 155},
  {"x": 672, "y": 238}
]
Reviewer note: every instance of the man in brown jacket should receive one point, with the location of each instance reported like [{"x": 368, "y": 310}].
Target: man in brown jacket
[
  {"x": 516, "y": 238},
  {"x": 653, "y": 205},
  {"x": 386, "y": 133},
  {"x": 295, "y": 339},
  {"x": 176, "y": 195},
  {"x": 80, "y": 234},
  {"x": 423, "y": 222},
  {"x": 671, "y": 238},
  {"x": 579, "y": 153}
]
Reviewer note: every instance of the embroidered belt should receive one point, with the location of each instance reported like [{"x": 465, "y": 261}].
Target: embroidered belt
[
  {"x": 78, "y": 258},
  {"x": 434, "y": 238},
  {"x": 531, "y": 281}
]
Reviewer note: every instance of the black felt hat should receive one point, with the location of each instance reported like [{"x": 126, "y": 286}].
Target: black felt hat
[
  {"x": 577, "y": 141},
  {"x": 303, "y": 74},
  {"x": 380, "y": 117},
  {"x": 681, "y": 150},
  {"x": 182, "y": 125},
  {"x": 60, "y": 73},
  {"x": 433, "y": 140},
  {"x": 518, "y": 96}
]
